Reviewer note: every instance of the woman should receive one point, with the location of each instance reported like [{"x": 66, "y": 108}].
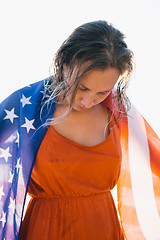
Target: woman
[{"x": 68, "y": 150}]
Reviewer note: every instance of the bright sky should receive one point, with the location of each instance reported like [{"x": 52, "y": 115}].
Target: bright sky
[{"x": 32, "y": 31}]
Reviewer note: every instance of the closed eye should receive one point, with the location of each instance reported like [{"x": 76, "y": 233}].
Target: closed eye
[
  {"x": 83, "y": 89},
  {"x": 104, "y": 93}
]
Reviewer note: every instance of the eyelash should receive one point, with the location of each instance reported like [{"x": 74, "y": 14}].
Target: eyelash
[
  {"x": 104, "y": 93},
  {"x": 84, "y": 89}
]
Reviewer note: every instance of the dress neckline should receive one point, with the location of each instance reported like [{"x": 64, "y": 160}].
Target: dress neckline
[{"x": 63, "y": 138}]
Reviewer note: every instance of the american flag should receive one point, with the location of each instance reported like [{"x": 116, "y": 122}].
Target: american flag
[
  {"x": 21, "y": 133},
  {"x": 139, "y": 183},
  {"x": 20, "y": 137}
]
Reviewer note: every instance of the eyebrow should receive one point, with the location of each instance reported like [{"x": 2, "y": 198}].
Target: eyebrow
[{"x": 90, "y": 89}]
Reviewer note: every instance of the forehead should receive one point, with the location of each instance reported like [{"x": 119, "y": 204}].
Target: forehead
[{"x": 101, "y": 80}]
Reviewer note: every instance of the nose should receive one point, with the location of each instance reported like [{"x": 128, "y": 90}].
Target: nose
[{"x": 87, "y": 102}]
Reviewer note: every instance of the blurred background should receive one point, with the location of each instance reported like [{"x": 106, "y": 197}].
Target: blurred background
[{"x": 31, "y": 31}]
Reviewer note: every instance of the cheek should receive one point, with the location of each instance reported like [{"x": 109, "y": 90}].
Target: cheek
[
  {"x": 78, "y": 96},
  {"x": 101, "y": 98}
]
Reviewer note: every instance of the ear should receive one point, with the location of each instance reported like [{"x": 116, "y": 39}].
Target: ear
[
  {"x": 65, "y": 72},
  {"x": 64, "y": 66}
]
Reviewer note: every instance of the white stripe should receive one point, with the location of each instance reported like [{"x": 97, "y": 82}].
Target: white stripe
[
  {"x": 128, "y": 200},
  {"x": 141, "y": 177}
]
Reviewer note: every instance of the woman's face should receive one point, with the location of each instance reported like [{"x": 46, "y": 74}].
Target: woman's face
[{"x": 94, "y": 88}]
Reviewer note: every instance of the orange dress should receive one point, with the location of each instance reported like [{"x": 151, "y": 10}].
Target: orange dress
[{"x": 70, "y": 189}]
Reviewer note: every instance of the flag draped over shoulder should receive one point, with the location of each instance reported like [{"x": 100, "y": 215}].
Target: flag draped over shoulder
[
  {"x": 20, "y": 137},
  {"x": 138, "y": 188},
  {"x": 139, "y": 182},
  {"x": 21, "y": 133}
]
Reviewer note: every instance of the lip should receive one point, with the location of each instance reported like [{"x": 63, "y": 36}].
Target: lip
[{"x": 81, "y": 108}]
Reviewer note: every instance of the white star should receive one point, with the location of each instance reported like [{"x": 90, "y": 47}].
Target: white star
[
  {"x": 10, "y": 177},
  {"x": 12, "y": 204},
  {"x": 10, "y": 115},
  {"x": 18, "y": 166},
  {"x": 3, "y": 218},
  {"x": 17, "y": 141},
  {"x": 25, "y": 100},
  {"x": 5, "y": 154},
  {"x": 28, "y": 124},
  {"x": 1, "y": 192}
]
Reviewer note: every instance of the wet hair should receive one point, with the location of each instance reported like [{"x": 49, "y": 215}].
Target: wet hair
[{"x": 97, "y": 46}]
